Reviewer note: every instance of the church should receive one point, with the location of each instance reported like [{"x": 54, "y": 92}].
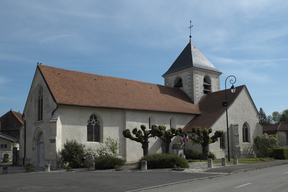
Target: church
[{"x": 70, "y": 105}]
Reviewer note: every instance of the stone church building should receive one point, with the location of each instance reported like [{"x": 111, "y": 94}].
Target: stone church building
[{"x": 64, "y": 105}]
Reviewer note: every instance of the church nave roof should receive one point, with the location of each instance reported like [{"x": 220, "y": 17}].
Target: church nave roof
[{"x": 91, "y": 90}]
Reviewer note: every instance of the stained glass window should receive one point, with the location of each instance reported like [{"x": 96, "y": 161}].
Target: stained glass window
[
  {"x": 93, "y": 129},
  {"x": 245, "y": 132},
  {"x": 40, "y": 104}
]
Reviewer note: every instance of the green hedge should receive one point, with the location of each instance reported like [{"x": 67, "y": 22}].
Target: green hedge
[
  {"x": 108, "y": 162},
  {"x": 156, "y": 161},
  {"x": 280, "y": 153},
  {"x": 190, "y": 154}
]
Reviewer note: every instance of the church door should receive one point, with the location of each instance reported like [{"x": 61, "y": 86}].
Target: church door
[{"x": 41, "y": 150}]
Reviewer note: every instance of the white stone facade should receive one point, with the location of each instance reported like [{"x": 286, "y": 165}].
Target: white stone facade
[
  {"x": 70, "y": 123},
  {"x": 240, "y": 112}
]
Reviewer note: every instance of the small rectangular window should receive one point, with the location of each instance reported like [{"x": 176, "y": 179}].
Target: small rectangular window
[{"x": 222, "y": 142}]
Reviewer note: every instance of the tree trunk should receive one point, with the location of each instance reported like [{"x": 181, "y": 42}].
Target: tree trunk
[
  {"x": 167, "y": 146},
  {"x": 145, "y": 145},
  {"x": 205, "y": 152}
]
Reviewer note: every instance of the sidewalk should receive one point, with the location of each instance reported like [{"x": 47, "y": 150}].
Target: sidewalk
[
  {"x": 195, "y": 167},
  {"x": 231, "y": 168}
]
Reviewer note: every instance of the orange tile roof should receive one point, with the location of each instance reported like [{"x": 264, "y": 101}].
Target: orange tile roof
[
  {"x": 282, "y": 126},
  {"x": 86, "y": 89},
  {"x": 211, "y": 109}
]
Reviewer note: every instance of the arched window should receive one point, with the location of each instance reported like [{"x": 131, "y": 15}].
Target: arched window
[
  {"x": 93, "y": 129},
  {"x": 207, "y": 85},
  {"x": 40, "y": 104},
  {"x": 178, "y": 83},
  {"x": 245, "y": 132},
  {"x": 151, "y": 121},
  {"x": 172, "y": 122}
]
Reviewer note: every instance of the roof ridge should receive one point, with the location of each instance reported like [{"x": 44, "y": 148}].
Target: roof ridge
[
  {"x": 70, "y": 87},
  {"x": 17, "y": 116},
  {"x": 105, "y": 76}
]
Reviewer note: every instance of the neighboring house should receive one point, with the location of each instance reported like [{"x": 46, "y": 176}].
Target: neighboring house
[
  {"x": 280, "y": 130},
  {"x": 64, "y": 105},
  {"x": 11, "y": 123},
  {"x": 6, "y": 142}
]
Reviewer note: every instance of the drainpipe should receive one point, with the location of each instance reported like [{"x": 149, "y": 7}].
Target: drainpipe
[
  {"x": 23, "y": 117},
  {"x": 55, "y": 109}
]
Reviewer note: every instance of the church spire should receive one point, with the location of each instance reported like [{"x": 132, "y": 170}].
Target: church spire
[{"x": 190, "y": 31}]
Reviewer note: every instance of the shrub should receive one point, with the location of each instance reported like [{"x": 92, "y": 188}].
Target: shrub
[
  {"x": 196, "y": 154},
  {"x": 73, "y": 153},
  {"x": 90, "y": 156},
  {"x": 266, "y": 144},
  {"x": 155, "y": 161},
  {"x": 211, "y": 155},
  {"x": 280, "y": 153},
  {"x": 109, "y": 148},
  {"x": 108, "y": 162},
  {"x": 6, "y": 160},
  {"x": 188, "y": 153},
  {"x": 28, "y": 167}
]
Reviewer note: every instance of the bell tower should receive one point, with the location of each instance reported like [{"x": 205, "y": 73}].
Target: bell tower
[{"x": 193, "y": 73}]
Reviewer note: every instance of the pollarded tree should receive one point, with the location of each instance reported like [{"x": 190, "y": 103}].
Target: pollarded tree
[
  {"x": 165, "y": 135},
  {"x": 202, "y": 137},
  {"x": 139, "y": 136}
]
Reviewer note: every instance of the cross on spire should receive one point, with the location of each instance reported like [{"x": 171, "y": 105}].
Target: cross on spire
[{"x": 190, "y": 29}]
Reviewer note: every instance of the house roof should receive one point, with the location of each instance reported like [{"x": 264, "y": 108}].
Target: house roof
[
  {"x": 8, "y": 137},
  {"x": 17, "y": 115},
  {"x": 211, "y": 108},
  {"x": 282, "y": 126},
  {"x": 85, "y": 89},
  {"x": 191, "y": 57}
]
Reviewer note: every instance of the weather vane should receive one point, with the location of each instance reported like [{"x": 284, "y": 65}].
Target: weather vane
[{"x": 190, "y": 29}]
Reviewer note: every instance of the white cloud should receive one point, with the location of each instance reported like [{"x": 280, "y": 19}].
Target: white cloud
[
  {"x": 3, "y": 80},
  {"x": 248, "y": 63},
  {"x": 56, "y": 37}
]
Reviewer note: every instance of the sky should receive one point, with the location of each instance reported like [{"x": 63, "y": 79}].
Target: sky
[{"x": 140, "y": 40}]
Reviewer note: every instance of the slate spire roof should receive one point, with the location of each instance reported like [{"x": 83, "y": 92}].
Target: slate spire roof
[
  {"x": 90, "y": 90},
  {"x": 191, "y": 57}
]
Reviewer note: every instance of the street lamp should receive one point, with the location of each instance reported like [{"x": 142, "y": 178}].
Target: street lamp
[{"x": 225, "y": 104}]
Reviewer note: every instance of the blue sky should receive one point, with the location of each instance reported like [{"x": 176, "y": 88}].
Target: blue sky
[{"x": 140, "y": 40}]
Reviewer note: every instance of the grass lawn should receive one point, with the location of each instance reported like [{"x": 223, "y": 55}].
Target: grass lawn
[{"x": 240, "y": 160}]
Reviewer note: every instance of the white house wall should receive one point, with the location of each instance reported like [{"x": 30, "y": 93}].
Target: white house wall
[
  {"x": 134, "y": 119},
  {"x": 282, "y": 138},
  {"x": 74, "y": 121}
]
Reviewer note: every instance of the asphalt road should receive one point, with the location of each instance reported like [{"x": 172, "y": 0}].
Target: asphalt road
[
  {"x": 91, "y": 180},
  {"x": 262, "y": 180}
]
